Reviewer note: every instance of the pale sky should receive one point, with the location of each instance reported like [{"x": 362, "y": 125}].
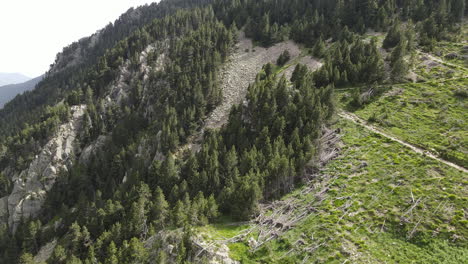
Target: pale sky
[{"x": 32, "y": 32}]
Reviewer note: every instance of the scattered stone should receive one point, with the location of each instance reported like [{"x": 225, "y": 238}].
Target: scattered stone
[
  {"x": 363, "y": 165},
  {"x": 252, "y": 242},
  {"x": 170, "y": 248},
  {"x": 451, "y": 56},
  {"x": 241, "y": 70}
]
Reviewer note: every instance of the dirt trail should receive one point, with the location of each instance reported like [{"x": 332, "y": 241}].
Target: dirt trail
[
  {"x": 441, "y": 61},
  {"x": 361, "y": 122}
]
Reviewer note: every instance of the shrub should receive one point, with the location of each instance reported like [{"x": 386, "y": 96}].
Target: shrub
[{"x": 283, "y": 58}]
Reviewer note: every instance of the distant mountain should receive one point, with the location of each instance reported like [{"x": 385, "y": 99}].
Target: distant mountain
[
  {"x": 12, "y": 78},
  {"x": 8, "y": 92}
]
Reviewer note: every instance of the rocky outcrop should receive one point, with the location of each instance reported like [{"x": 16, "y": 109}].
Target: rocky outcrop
[
  {"x": 31, "y": 185},
  {"x": 92, "y": 149},
  {"x": 130, "y": 77},
  {"x": 45, "y": 252}
]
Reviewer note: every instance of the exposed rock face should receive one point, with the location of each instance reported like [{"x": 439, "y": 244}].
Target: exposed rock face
[
  {"x": 45, "y": 252},
  {"x": 91, "y": 149},
  {"x": 149, "y": 93},
  {"x": 32, "y": 184},
  {"x": 121, "y": 89}
]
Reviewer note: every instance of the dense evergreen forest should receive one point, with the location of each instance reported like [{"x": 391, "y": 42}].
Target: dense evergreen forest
[{"x": 104, "y": 209}]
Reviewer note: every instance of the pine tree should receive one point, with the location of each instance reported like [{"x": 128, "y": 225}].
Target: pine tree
[
  {"x": 319, "y": 49},
  {"x": 212, "y": 208},
  {"x": 399, "y": 69},
  {"x": 160, "y": 209},
  {"x": 59, "y": 255},
  {"x": 283, "y": 58},
  {"x": 397, "y": 62},
  {"x": 169, "y": 173},
  {"x": 26, "y": 258},
  {"x": 112, "y": 256},
  {"x": 393, "y": 36},
  {"x": 179, "y": 215},
  {"x": 134, "y": 252},
  {"x": 457, "y": 10}
]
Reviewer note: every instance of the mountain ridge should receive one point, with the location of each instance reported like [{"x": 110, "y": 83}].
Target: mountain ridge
[
  {"x": 12, "y": 78},
  {"x": 8, "y": 92}
]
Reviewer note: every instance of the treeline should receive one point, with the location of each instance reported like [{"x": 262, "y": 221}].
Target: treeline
[
  {"x": 306, "y": 21},
  {"x": 353, "y": 61}
]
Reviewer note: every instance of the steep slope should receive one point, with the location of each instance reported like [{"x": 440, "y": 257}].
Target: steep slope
[
  {"x": 376, "y": 202},
  {"x": 30, "y": 186},
  {"x": 8, "y": 92},
  {"x": 382, "y": 200},
  {"x": 418, "y": 150},
  {"x": 90, "y": 169},
  {"x": 77, "y": 59}
]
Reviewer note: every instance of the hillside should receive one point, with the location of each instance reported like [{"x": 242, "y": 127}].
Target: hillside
[
  {"x": 8, "y": 92},
  {"x": 244, "y": 131}
]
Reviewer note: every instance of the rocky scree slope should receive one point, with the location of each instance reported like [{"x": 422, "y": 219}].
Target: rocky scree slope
[{"x": 240, "y": 71}]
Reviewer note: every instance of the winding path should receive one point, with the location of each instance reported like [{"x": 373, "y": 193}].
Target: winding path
[{"x": 361, "y": 122}]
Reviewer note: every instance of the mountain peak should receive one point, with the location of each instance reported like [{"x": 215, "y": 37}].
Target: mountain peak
[{"x": 12, "y": 78}]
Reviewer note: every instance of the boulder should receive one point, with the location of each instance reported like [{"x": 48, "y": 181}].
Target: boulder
[{"x": 451, "y": 56}]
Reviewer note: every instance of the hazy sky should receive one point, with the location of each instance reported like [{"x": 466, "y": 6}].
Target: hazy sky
[{"x": 32, "y": 32}]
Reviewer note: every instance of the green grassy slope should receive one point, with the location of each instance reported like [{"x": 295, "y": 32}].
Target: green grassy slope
[
  {"x": 386, "y": 204},
  {"x": 431, "y": 115}
]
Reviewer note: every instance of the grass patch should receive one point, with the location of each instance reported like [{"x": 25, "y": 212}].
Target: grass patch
[
  {"x": 431, "y": 115},
  {"x": 386, "y": 204},
  {"x": 225, "y": 228}
]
